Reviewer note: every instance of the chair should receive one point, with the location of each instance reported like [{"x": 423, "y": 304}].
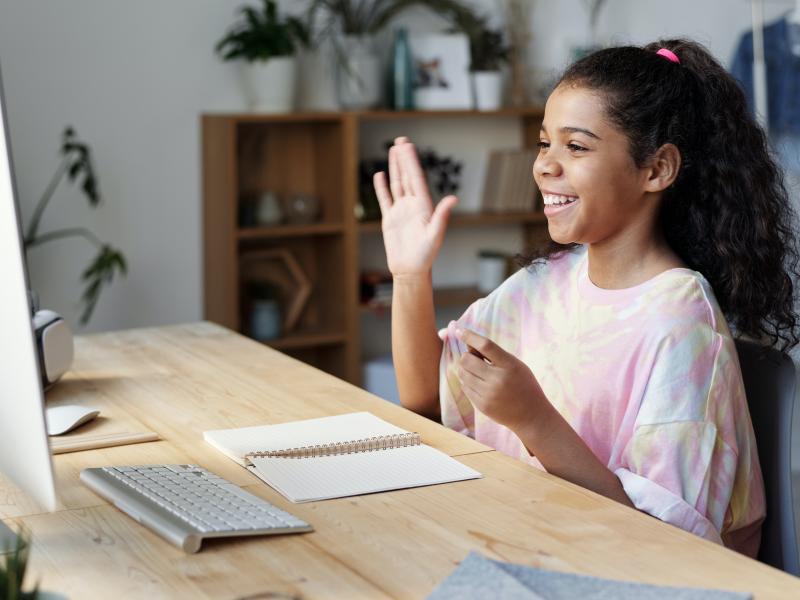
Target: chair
[{"x": 770, "y": 385}]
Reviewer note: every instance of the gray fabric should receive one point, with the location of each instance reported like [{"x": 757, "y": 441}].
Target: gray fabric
[{"x": 480, "y": 577}]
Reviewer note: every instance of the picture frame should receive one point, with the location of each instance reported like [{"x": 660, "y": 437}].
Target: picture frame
[{"x": 441, "y": 71}]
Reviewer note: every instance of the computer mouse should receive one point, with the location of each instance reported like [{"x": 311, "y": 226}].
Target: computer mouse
[{"x": 61, "y": 419}]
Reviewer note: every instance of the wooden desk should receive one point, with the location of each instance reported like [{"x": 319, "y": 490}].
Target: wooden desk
[{"x": 182, "y": 380}]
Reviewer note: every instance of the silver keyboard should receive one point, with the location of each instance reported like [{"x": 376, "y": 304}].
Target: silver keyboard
[{"x": 185, "y": 504}]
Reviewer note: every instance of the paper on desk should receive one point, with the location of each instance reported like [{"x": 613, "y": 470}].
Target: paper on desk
[{"x": 325, "y": 477}]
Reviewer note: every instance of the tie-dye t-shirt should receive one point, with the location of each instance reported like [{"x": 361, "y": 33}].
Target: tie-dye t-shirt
[{"x": 648, "y": 377}]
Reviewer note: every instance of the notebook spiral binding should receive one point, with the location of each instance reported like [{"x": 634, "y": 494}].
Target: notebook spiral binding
[{"x": 381, "y": 442}]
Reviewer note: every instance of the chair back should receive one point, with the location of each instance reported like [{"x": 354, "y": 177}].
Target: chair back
[{"x": 770, "y": 382}]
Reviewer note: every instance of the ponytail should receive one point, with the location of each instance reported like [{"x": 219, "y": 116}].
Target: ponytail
[{"x": 727, "y": 215}]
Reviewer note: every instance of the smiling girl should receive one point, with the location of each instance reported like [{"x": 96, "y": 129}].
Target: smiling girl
[{"x": 608, "y": 361}]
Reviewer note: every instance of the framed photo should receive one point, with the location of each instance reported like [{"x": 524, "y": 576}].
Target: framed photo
[{"x": 441, "y": 71}]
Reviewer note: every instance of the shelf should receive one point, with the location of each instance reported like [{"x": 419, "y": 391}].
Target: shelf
[
  {"x": 475, "y": 219},
  {"x": 284, "y": 231},
  {"x": 306, "y": 340},
  {"x": 379, "y": 115},
  {"x": 296, "y": 117},
  {"x": 391, "y": 115},
  {"x": 444, "y": 296},
  {"x": 316, "y": 154}
]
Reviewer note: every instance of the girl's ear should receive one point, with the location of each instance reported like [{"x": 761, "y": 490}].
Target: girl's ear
[{"x": 663, "y": 168}]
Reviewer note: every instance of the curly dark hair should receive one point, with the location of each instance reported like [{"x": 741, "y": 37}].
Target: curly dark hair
[{"x": 727, "y": 215}]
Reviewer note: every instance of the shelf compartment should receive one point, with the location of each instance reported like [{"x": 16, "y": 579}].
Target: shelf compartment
[
  {"x": 442, "y": 296},
  {"x": 320, "y": 261},
  {"x": 330, "y": 358},
  {"x": 292, "y": 157},
  {"x": 307, "y": 340}
]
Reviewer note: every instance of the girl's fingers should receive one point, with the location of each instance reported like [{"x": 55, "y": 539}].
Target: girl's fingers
[
  {"x": 482, "y": 345},
  {"x": 414, "y": 181},
  {"x": 474, "y": 366},
  {"x": 472, "y": 394},
  {"x": 441, "y": 215},
  {"x": 382, "y": 191},
  {"x": 394, "y": 174}
]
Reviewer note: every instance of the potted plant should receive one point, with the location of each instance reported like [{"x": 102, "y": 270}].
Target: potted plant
[
  {"x": 267, "y": 44},
  {"x": 488, "y": 54},
  {"x": 352, "y": 25},
  {"x": 13, "y": 567},
  {"x": 77, "y": 165}
]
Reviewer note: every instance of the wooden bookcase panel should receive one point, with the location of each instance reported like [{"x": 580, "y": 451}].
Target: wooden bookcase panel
[
  {"x": 329, "y": 358},
  {"x": 292, "y": 158},
  {"x": 321, "y": 261}
]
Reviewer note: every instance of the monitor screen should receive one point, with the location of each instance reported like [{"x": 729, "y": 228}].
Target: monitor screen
[{"x": 24, "y": 451}]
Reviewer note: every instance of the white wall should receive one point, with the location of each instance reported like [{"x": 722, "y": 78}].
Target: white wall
[{"x": 132, "y": 77}]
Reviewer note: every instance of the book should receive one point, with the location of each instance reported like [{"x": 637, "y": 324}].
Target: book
[
  {"x": 491, "y": 181},
  {"x": 508, "y": 185},
  {"x": 338, "y": 456}
]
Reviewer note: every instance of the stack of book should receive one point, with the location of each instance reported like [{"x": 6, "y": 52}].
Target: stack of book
[{"x": 509, "y": 185}]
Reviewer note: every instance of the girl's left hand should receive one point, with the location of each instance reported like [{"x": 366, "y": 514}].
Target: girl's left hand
[{"x": 500, "y": 385}]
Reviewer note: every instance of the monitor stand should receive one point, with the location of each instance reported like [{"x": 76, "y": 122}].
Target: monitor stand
[{"x": 8, "y": 539}]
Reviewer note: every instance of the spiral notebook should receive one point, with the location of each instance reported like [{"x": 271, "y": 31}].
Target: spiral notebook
[{"x": 334, "y": 457}]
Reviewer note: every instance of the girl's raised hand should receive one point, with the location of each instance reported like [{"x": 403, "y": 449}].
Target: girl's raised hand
[
  {"x": 501, "y": 386},
  {"x": 412, "y": 229}
]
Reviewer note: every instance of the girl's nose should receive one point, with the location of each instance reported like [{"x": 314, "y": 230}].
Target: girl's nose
[{"x": 546, "y": 165}]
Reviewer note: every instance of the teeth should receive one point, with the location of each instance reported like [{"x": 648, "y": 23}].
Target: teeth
[{"x": 558, "y": 200}]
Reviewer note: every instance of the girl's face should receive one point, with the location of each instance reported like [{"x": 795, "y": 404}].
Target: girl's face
[{"x": 592, "y": 189}]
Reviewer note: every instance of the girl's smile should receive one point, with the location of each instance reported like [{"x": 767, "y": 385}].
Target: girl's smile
[
  {"x": 556, "y": 203},
  {"x": 592, "y": 189}
]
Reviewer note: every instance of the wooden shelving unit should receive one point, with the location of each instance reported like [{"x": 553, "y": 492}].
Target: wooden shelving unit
[
  {"x": 445, "y": 296},
  {"x": 315, "y": 154}
]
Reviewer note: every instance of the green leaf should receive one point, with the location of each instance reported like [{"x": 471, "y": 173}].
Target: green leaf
[
  {"x": 262, "y": 35},
  {"x": 98, "y": 274},
  {"x": 12, "y": 570}
]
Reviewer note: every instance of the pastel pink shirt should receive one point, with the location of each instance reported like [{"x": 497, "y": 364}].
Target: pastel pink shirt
[{"x": 648, "y": 377}]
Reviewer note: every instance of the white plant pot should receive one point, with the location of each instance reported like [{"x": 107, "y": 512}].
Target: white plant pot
[
  {"x": 488, "y": 87},
  {"x": 358, "y": 73},
  {"x": 491, "y": 273},
  {"x": 269, "y": 86}
]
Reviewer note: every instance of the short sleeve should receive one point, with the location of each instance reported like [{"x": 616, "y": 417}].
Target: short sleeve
[
  {"x": 692, "y": 447},
  {"x": 681, "y": 473}
]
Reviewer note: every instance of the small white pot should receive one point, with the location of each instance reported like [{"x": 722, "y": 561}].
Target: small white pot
[
  {"x": 488, "y": 88},
  {"x": 269, "y": 85},
  {"x": 491, "y": 273}
]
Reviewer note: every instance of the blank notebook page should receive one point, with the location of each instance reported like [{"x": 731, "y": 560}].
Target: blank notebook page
[{"x": 323, "y": 477}]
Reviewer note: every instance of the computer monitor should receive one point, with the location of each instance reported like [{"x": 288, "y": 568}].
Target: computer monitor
[{"x": 24, "y": 451}]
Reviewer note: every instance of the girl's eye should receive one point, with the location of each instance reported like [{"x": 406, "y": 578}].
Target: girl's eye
[
  {"x": 543, "y": 145},
  {"x": 576, "y": 148}
]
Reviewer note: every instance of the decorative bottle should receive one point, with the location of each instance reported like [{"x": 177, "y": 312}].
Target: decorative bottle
[{"x": 402, "y": 73}]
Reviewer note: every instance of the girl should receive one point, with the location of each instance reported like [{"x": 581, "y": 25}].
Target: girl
[{"x": 609, "y": 358}]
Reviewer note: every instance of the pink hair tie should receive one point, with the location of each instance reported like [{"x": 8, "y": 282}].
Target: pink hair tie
[{"x": 669, "y": 55}]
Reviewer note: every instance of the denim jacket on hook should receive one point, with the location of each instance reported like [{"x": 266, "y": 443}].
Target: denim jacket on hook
[{"x": 783, "y": 74}]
